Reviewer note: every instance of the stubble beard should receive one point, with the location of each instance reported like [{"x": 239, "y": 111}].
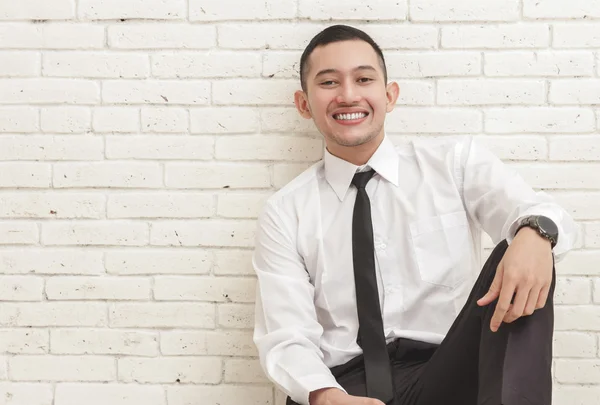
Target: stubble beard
[{"x": 357, "y": 141}]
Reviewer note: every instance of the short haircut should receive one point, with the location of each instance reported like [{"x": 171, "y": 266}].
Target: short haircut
[{"x": 337, "y": 33}]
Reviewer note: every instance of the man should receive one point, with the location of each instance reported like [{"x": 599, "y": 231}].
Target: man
[{"x": 366, "y": 261}]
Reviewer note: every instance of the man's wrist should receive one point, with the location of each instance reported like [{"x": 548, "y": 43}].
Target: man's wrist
[{"x": 319, "y": 397}]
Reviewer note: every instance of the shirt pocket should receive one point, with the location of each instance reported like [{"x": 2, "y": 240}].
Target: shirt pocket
[{"x": 441, "y": 244}]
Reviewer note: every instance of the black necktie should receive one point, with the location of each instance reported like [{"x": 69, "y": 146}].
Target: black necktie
[{"x": 370, "y": 332}]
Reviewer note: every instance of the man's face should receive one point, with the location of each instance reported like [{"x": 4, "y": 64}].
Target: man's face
[{"x": 346, "y": 94}]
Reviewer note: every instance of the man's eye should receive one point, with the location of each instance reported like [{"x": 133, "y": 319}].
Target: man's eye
[
  {"x": 328, "y": 82},
  {"x": 365, "y": 79}
]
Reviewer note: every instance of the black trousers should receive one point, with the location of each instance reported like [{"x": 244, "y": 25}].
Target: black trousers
[{"x": 473, "y": 365}]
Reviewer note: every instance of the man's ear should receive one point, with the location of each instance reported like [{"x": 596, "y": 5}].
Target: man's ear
[
  {"x": 301, "y": 101},
  {"x": 392, "y": 91}
]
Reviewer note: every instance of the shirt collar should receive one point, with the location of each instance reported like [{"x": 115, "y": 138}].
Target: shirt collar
[{"x": 339, "y": 173}]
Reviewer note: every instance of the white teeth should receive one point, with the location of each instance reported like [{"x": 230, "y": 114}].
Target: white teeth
[{"x": 352, "y": 116}]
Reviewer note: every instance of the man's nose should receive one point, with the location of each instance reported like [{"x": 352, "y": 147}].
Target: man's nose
[{"x": 348, "y": 94}]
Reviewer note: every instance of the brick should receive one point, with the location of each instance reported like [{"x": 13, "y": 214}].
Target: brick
[
  {"x": 539, "y": 120},
  {"x": 217, "y": 175},
  {"x": 577, "y": 371},
  {"x": 51, "y": 36},
  {"x": 96, "y": 65},
  {"x": 104, "y": 341},
  {"x": 233, "y": 262},
  {"x": 575, "y": 91},
  {"x": 27, "y": 393},
  {"x": 555, "y": 175},
  {"x": 415, "y": 92},
  {"x": 210, "y": 289},
  {"x": 580, "y": 263},
  {"x": 51, "y": 205},
  {"x": 434, "y": 120},
  {"x": 66, "y": 119},
  {"x": 116, "y": 119},
  {"x": 53, "y": 314},
  {"x": 160, "y": 147},
  {"x": 158, "y": 261},
  {"x": 160, "y": 205},
  {"x": 199, "y": 370},
  {"x": 490, "y": 91},
  {"x": 516, "y": 147},
  {"x": 25, "y": 175},
  {"x": 252, "y": 10},
  {"x": 244, "y": 371},
  {"x": 433, "y": 64},
  {"x": 19, "y": 233},
  {"x": 95, "y": 233},
  {"x": 20, "y": 64},
  {"x": 51, "y": 261},
  {"x": 37, "y": 10},
  {"x": 222, "y": 395},
  {"x": 283, "y": 173},
  {"x": 596, "y": 290},
  {"x": 107, "y": 174},
  {"x": 98, "y": 288},
  {"x": 465, "y": 10},
  {"x": 161, "y": 36},
  {"x": 62, "y": 368},
  {"x": 575, "y": 394},
  {"x": 156, "y": 92},
  {"x": 574, "y": 344},
  {"x": 49, "y": 91},
  {"x": 24, "y": 341},
  {"x": 284, "y": 64},
  {"x": 162, "y": 315},
  {"x": 353, "y": 10},
  {"x": 19, "y": 119},
  {"x": 580, "y": 147},
  {"x": 21, "y": 288},
  {"x": 266, "y": 35},
  {"x": 497, "y": 36},
  {"x": 400, "y": 36},
  {"x": 263, "y": 147},
  {"x": 224, "y": 120},
  {"x": 284, "y": 120},
  {"x": 573, "y": 290},
  {"x": 254, "y": 92},
  {"x": 131, "y": 9},
  {"x": 579, "y": 204},
  {"x": 44, "y": 147},
  {"x": 242, "y": 205},
  {"x": 592, "y": 234},
  {"x": 577, "y": 318},
  {"x": 231, "y": 233},
  {"x": 221, "y": 343},
  {"x": 557, "y": 9},
  {"x": 539, "y": 64},
  {"x": 576, "y": 35},
  {"x": 159, "y": 119},
  {"x": 206, "y": 65},
  {"x": 114, "y": 394},
  {"x": 238, "y": 316}
]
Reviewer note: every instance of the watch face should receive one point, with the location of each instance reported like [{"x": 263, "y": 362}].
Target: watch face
[{"x": 547, "y": 225}]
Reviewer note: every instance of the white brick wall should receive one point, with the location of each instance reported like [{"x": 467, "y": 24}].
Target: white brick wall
[{"x": 140, "y": 138}]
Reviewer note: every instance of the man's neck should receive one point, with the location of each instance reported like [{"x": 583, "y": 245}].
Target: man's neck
[{"x": 357, "y": 155}]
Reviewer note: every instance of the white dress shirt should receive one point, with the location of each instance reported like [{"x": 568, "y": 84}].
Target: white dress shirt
[{"x": 430, "y": 201}]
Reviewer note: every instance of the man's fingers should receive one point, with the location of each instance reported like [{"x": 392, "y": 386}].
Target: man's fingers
[
  {"x": 541, "y": 301},
  {"x": 495, "y": 287},
  {"x": 518, "y": 306},
  {"x": 502, "y": 307},
  {"x": 532, "y": 301}
]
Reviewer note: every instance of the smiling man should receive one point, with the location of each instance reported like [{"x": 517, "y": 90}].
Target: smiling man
[{"x": 371, "y": 288}]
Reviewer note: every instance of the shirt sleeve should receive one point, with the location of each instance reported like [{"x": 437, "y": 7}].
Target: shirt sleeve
[
  {"x": 287, "y": 332},
  {"x": 497, "y": 198}
]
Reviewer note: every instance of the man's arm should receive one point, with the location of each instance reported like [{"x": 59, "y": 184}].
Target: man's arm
[
  {"x": 287, "y": 332},
  {"x": 498, "y": 199}
]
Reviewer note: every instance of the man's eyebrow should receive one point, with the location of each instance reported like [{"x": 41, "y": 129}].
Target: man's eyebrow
[{"x": 328, "y": 71}]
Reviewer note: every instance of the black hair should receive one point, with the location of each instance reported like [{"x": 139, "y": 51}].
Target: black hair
[{"x": 337, "y": 33}]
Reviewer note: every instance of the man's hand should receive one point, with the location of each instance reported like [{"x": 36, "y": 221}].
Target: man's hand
[
  {"x": 525, "y": 270},
  {"x": 334, "y": 396}
]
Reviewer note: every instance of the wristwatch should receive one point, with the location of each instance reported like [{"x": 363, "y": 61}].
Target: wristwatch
[{"x": 543, "y": 225}]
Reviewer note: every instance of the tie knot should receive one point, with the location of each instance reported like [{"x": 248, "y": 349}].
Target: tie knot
[{"x": 361, "y": 179}]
